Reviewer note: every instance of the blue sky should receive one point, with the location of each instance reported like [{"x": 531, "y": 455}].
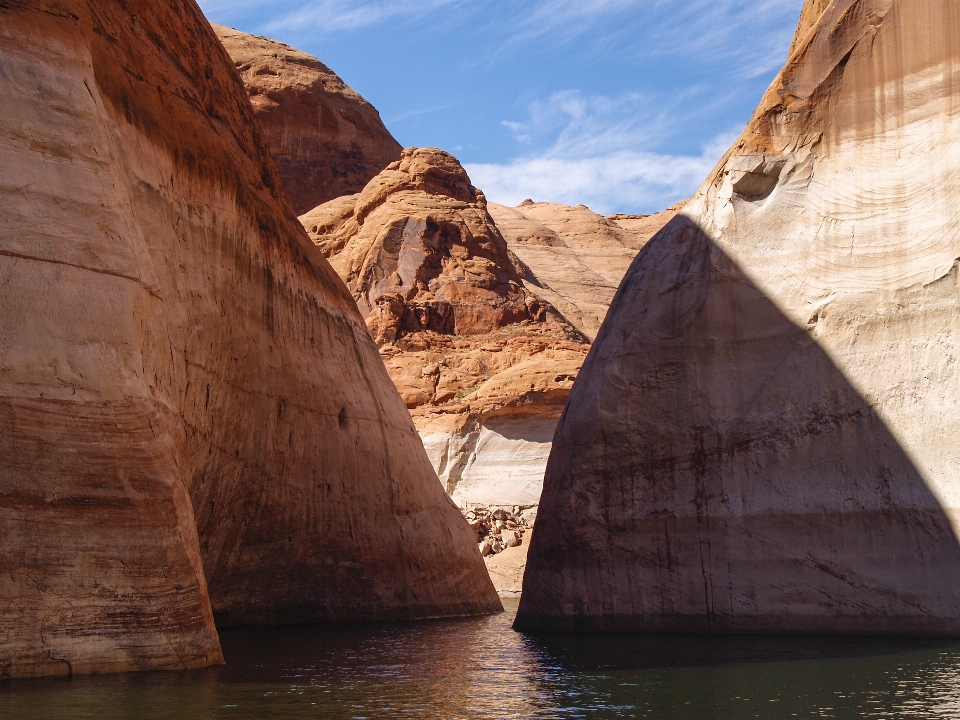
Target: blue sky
[{"x": 623, "y": 105}]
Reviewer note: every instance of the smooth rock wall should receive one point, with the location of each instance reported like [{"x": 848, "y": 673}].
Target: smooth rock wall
[
  {"x": 194, "y": 421},
  {"x": 761, "y": 439}
]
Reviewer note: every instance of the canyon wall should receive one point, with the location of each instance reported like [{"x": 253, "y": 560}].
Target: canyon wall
[
  {"x": 483, "y": 364},
  {"x": 326, "y": 140},
  {"x": 761, "y": 439},
  {"x": 194, "y": 420}
]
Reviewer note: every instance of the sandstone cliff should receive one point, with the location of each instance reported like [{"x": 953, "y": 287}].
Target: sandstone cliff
[
  {"x": 194, "y": 421},
  {"x": 761, "y": 439},
  {"x": 326, "y": 140},
  {"x": 483, "y": 364},
  {"x": 421, "y": 248},
  {"x": 576, "y": 257}
]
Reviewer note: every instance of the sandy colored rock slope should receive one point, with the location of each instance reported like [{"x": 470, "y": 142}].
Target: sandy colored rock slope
[
  {"x": 326, "y": 140},
  {"x": 763, "y": 436},
  {"x": 506, "y": 568},
  {"x": 576, "y": 257},
  {"x": 194, "y": 421}
]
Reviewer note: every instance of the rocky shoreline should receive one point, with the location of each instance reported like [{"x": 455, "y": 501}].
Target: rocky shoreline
[{"x": 498, "y": 528}]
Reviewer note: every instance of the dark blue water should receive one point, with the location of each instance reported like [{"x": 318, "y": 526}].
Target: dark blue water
[{"x": 481, "y": 668}]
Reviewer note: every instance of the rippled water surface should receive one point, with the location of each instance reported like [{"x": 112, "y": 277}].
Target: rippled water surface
[{"x": 481, "y": 668}]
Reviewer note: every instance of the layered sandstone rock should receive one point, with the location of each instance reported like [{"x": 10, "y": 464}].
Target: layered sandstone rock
[
  {"x": 576, "y": 258},
  {"x": 762, "y": 437},
  {"x": 194, "y": 421},
  {"x": 482, "y": 314},
  {"x": 483, "y": 364},
  {"x": 421, "y": 248},
  {"x": 326, "y": 140}
]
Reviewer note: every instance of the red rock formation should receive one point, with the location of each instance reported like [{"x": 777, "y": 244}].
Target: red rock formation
[
  {"x": 463, "y": 338},
  {"x": 762, "y": 437},
  {"x": 420, "y": 252},
  {"x": 193, "y": 418},
  {"x": 471, "y": 334},
  {"x": 326, "y": 140}
]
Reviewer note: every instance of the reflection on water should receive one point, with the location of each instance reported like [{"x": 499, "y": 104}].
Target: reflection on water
[{"x": 481, "y": 668}]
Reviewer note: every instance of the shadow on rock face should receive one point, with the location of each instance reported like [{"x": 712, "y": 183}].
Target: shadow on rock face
[{"x": 715, "y": 472}]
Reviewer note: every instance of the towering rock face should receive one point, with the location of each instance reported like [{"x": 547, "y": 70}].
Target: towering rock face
[
  {"x": 761, "y": 439},
  {"x": 194, "y": 421},
  {"x": 470, "y": 332},
  {"x": 326, "y": 140},
  {"x": 481, "y": 312},
  {"x": 484, "y": 365}
]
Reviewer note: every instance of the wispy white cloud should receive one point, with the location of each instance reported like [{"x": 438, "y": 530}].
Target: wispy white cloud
[
  {"x": 571, "y": 17},
  {"x": 322, "y": 16},
  {"x": 748, "y": 37},
  {"x": 588, "y": 125},
  {"x": 396, "y": 119},
  {"x": 333, "y": 15},
  {"x": 751, "y": 37},
  {"x": 615, "y": 182},
  {"x": 598, "y": 156}
]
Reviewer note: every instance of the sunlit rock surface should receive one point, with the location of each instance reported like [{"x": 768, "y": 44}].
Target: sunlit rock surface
[
  {"x": 576, "y": 257},
  {"x": 194, "y": 421},
  {"x": 483, "y": 363},
  {"x": 763, "y": 436},
  {"x": 326, "y": 140},
  {"x": 482, "y": 312}
]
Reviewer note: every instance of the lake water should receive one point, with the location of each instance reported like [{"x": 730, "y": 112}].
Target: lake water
[{"x": 481, "y": 668}]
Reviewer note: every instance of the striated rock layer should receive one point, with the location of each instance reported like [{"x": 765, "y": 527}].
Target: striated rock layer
[
  {"x": 194, "y": 421},
  {"x": 762, "y": 438},
  {"x": 575, "y": 257},
  {"x": 326, "y": 140}
]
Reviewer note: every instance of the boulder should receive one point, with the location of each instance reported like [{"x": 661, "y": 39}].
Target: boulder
[
  {"x": 192, "y": 413},
  {"x": 762, "y": 438},
  {"x": 326, "y": 140}
]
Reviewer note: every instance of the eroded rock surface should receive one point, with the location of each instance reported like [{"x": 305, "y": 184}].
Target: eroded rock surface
[
  {"x": 326, "y": 140},
  {"x": 482, "y": 313},
  {"x": 421, "y": 254},
  {"x": 194, "y": 421},
  {"x": 483, "y": 363},
  {"x": 762, "y": 437}
]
